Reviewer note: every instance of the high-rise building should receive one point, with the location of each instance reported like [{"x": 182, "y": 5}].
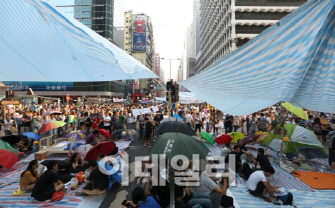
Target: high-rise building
[
  {"x": 139, "y": 42},
  {"x": 96, "y": 14},
  {"x": 225, "y": 25},
  {"x": 195, "y": 30}
]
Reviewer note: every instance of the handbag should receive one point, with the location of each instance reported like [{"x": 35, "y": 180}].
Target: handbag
[{"x": 57, "y": 196}]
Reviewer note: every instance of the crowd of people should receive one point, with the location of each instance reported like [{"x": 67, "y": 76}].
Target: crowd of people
[{"x": 116, "y": 116}]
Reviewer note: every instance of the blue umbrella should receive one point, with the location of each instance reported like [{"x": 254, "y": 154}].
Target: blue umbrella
[
  {"x": 32, "y": 135},
  {"x": 177, "y": 116}
]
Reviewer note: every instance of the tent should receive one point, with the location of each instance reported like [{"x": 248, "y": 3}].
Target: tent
[
  {"x": 293, "y": 60},
  {"x": 303, "y": 139},
  {"x": 40, "y": 43},
  {"x": 6, "y": 146}
]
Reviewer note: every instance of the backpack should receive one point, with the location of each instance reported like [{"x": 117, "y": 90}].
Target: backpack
[
  {"x": 262, "y": 123},
  {"x": 227, "y": 201},
  {"x": 316, "y": 128}
]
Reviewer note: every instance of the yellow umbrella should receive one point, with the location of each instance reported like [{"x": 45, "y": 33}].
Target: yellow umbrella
[{"x": 297, "y": 111}]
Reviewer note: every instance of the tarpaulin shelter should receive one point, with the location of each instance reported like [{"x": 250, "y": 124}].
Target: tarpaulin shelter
[
  {"x": 293, "y": 60},
  {"x": 40, "y": 43}
]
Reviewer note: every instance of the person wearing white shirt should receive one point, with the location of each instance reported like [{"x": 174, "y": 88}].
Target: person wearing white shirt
[
  {"x": 188, "y": 119},
  {"x": 131, "y": 120},
  {"x": 202, "y": 117},
  {"x": 258, "y": 184},
  {"x": 107, "y": 122},
  {"x": 8, "y": 122}
]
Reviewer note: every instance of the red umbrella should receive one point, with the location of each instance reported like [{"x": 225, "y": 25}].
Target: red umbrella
[
  {"x": 223, "y": 139},
  {"x": 103, "y": 147},
  {"x": 104, "y": 133},
  {"x": 248, "y": 139},
  {"x": 7, "y": 158}
]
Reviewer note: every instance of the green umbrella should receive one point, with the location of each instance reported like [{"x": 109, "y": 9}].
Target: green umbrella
[
  {"x": 236, "y": 136},
  {"x": 208, "y": 137},
  {"x": 172, "y": 144}
]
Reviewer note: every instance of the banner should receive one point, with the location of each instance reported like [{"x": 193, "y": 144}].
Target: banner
[
  {"x": 40, "y": 86},
  {"x": 137, "y": 84},
  {"x": 146, "y": 110},
  {"x": 136, "y": 112},
  {"x": 117, "y": 100},
  {"x": 139, "y": 41}
]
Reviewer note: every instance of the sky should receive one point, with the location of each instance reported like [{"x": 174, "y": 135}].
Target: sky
[{"x": 170, "y": 19}]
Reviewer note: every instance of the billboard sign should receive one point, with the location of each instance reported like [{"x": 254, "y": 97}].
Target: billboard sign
[
  {"x": 139, "y": 41},
  {"x": 40, "y": 86},
  {"x": 140, "y": 23},
  {"x": 139, "y": 35},
  {"x": 137, "y": 84}
]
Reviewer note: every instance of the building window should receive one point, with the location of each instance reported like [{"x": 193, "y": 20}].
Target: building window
[
  {"x": 252, "y": 29},
  {"x": 260, "y": 15}
]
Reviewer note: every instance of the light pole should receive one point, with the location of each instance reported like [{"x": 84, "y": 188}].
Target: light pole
[
  {"x": 170, "y": 63},
  {"x": 169, "y": 92}
]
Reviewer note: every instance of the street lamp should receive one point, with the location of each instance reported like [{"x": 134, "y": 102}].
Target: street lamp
[{"x": 170, "y": 64}]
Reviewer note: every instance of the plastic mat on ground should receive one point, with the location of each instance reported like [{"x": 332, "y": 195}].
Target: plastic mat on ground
[
  {"x": 280, "y": 178},
  {"x": 301, "y": 199}
]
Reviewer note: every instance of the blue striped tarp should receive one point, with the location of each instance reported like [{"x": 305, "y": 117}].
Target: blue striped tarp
[
  {"x": 292, "y": 60},
  {"x": 39, "y": 43}
]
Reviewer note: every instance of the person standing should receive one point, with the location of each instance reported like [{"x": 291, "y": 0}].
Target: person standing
[
  {"x": 317, "y": 129},
  {"x": 107, "y": 122},
  {"x": 122, "y": 120},
  {"x": 26, "y": 121},
  {"x": 36, "y": 123},
  {"x": 131, "y": 121},
  {"x": 88, "y": 124},
  {"x": 18, "y": 121},
  {"x": 8, "y": 123},
  {"x": 236, "y": 123},
  {"x": 148, "y": 131},
  {"x": 309, "y": 123},
  {"x": 263, "y": 123},
  {"x": 197, "y": 123}
]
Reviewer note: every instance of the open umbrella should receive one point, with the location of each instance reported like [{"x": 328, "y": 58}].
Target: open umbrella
[
  {"x": 116, "y": 134},
  {"x": 297, "y": 111},
  {"x": 172, "y": 144},
  {"x": 7, "y": 146},
  {"x": 208, "y": 137},
  {"x": 104, "y": 133},
  {"x": 12, "y": 139},
  {"x": 32, "y": 135},
  {"x": 103, "y": 147},
  {"x": 223, "y": 139},
  {"x": 51, "y": 125},
  {"x": 236, "y": 136},
  {"x": 175, "y": 126},
  {"x": 80, "y": 135},
  {"x": 7, "y": 158},
  {"x": 250, "y": 138}
]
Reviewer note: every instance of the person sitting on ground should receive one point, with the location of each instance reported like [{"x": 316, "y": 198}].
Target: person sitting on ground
[
  {"x": 262, "y": 159},
  {"x": 97, "y": 182},
  {"x": 140, "y": 200},
  {"x": 184, "y": 197},
  {"x": 226, "y": 150},
  {"x": 76, "y": 163},
  {"x": 47, "y": 184},
  {"x": 258, "y": 184},
  {"x": 30, "y": 176},
  {"x": 25, "y": 145},
  {"x": 208, "y": 185},
  {"x": 238, "y": 162},
  {"x": 93, "y": 138},
  {"x": 159, "y": 192}
]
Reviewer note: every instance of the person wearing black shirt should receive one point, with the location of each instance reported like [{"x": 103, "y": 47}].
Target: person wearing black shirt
[
  {"x": 162, "y": 193},
  {"x": 262, "y": 159},
  {"x": 88, "y": 124},
  {"x": 238, "y": 162},
  {"x": 47, "y": 184},
  {"x": 97, "y": 182}
]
